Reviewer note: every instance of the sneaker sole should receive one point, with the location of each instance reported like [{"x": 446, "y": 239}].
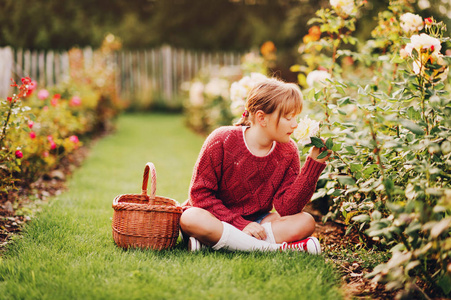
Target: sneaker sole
[
  {"x": 313, "y": 246},
  {"x": 193, "y": 244}
]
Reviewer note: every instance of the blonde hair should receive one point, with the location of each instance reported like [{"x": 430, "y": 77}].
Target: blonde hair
[{"x": 272, "y": 95}]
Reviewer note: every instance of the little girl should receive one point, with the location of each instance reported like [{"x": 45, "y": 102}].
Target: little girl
[{"x": 245, "y": 171}]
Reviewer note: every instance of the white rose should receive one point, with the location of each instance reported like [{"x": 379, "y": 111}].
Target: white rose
[
  {"x": 411, "y": 22},
  {"x": 317, "y": 76},
  {"x": 423, "y": 41},
  {"x": 428, "y": 49},
  {"x": 196, "y": 91},
  {"x": 239, "y": 91},
  {"x": 216, "y": 87},
  {"x": 237, "y": 107},
  {"x": 257, "y": 77},
  {"x": 306, "y": 129},
  {"x": 347, "y": 6}
]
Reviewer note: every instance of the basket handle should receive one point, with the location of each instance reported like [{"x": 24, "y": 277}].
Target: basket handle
[{"x": 153, "y": 180}]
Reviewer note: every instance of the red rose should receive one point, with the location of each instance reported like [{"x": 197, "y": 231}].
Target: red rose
[{"x": 19, "y": 154}]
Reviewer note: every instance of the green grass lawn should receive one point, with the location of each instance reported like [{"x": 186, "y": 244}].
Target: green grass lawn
[{"x": 67, "y": 251}]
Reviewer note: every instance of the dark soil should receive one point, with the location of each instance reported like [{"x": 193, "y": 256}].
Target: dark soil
[{"x": 332, "y": 236}]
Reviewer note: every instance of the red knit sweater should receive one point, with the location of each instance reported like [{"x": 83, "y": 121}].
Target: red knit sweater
[{"x": 237, "y": 186}]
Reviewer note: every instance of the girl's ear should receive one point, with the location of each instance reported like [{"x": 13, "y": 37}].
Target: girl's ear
[{"x": 260, "y": 118}]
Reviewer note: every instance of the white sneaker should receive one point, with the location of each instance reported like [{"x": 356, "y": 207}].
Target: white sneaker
[
  {"x": 194, "y": 245},
  {"x": 310, "y": 245}
]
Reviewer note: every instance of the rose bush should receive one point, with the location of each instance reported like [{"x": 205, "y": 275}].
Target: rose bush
[
  {"x": 40, "y": 126},
  {"x": 207, "y": 104},
  {"x": 389, "y": 115},
  {"x": 216, "y": 97}
]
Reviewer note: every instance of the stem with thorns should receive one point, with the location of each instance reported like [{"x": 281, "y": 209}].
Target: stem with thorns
[{"x": 377, "y": 151}]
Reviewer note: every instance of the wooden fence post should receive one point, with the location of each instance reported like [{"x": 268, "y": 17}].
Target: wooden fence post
[{"x": 6, "y": 68}]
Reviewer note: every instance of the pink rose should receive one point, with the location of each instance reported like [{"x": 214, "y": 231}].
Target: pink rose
[
  {"x": 30, "y": 124},
  {"x": 75, "y": 101},
  {"x": 32, "y": 135},
  {"x": 74, "y": 139},
  {"x": 19, "y": 154},
  {"x": 43, "y": 94},
  {"x": 52, "y": 145},
  {"x": 31, "y": 87},
  {"x": 45, "y": 154}
]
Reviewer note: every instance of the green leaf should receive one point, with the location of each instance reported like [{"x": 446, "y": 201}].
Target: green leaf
[
  {"x": 361, "y": 218},
  {"x": 346, "y": 180},
  {"x": 415, "y": 54},
  {"x": 340, "y": 90},
  {"x": 356, "y": 167},
  {"x": 337, "y": 193},
  {"x": 336, "y": 147},
  {"x": 329, "y": 143},
  {"x": 376, "y": 215},
  {"x": 388, "y": 183},
  {"x": 344, "y": 101},
  {"x": 412, "y": 127},
  {"x": 361, "y": 91},
  {"x": 323, "y": 154},
  {"x": 317, "y": 142},
  {"x": 445, "y": 283},
  {"x": 370, "y": 169},
  {"x": 317, "y": 95},
  {"x": 350, "y": 149},
  {"x": 397, "y": 60},
  {"x": 311, "y": 94}
]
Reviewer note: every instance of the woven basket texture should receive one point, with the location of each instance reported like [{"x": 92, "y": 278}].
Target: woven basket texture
[{"x": 146, "y": 221}]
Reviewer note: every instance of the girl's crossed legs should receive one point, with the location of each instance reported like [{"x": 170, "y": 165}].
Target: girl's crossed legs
[{"x": 202, "y": 225}]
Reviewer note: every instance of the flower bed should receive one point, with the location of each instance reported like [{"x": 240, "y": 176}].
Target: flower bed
[
  {"x": 40, "y": 126},
  {"x": 386, "y": 106}
]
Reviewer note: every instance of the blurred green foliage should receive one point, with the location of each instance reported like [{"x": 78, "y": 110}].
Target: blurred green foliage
[{"x": 193, "y": 24}]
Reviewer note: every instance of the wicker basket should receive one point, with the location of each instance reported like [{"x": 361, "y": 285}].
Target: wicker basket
[{"x": 142, "y": 221}]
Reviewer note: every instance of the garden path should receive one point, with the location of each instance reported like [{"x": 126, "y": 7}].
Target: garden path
[{"x": 67, "y": 251}]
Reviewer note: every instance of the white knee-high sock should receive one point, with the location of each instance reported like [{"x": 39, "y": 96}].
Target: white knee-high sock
[
  {"x": 234, "y": 239},
  {"x": 269, "y": 233}
]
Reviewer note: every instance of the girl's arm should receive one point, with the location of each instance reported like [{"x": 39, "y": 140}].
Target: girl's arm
[{"x": 297, "y": 187}]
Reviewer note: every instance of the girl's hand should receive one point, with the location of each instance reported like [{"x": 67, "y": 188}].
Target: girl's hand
[
  {"x": 314, "y": 152},
  {"x": 256, "y": 230}
]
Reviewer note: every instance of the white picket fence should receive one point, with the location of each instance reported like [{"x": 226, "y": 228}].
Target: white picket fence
[{"x": 151, "y": 73}]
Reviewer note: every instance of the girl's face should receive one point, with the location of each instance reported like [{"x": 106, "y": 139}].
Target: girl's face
[{"x": 281, "y": 130}]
